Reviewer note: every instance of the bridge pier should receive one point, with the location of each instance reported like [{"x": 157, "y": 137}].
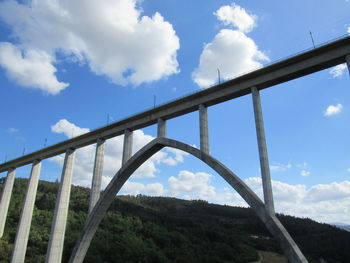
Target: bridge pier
[
  {"x": 58, "y": 228},
  {"x": 127, "y": 147},
  {"x": 203, "y": 128},
  {"x": 264, "y": 160},
  {"x": 21, "y": 241},
  {"x": 161, "y": 131},
  {"x": 97, "y": 174},
  {"x": 347, "y": 58},
  {"x": 5, "y": 198}
]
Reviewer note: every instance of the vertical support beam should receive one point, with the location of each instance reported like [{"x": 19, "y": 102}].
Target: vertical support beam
[
  {"x": 348, "y": 62},
  {"x": 161, "y": 131},
  {"x": 5, "y": 198},
  {"x": 127, "y": 147},
  {"x": 203, "y": 126},
  {"x": 264, "y": 161},
  {"x": 97, "y": 174},
  {"x": 58, "y": 228},
  {"x": 20, "y": 246}
]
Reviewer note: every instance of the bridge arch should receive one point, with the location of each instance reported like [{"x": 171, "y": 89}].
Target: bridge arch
[{"x": 288, "y": 245}]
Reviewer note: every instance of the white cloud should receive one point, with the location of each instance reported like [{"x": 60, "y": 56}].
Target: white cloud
[
  {"x": 305, "y": 173},
  {"x": 323, "y": 202},
  {"x": 333, "y": 110},
  {"x": 134, "y": 188},
  {"x": 349, "y": 26},
  {"x": 193, "y": 185},
  {"x": 112, "y": 37},
  {"x": 338, "y": 70},
  {"x": 30, "y": 68},
  {"x": 12, "y": 130},
  {"x": 68, "y": 129},
  {"x": 236, "y": 16},
  {"x": 232, "y": 52},
  {"x": 302, "y": 165},
  {"x": 155, "y": 189},
  {"x": 280, "y": 167},
  {"x": 177, "y": 158},
  {"x": 329, "y": 192},
  {"x": 84, "y": 158}
]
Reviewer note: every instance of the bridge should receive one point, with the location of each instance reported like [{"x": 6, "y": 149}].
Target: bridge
[{"x": 308, "y": 62}]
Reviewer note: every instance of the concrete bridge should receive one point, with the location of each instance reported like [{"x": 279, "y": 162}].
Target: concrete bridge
[{"x": 317, "y": 59}]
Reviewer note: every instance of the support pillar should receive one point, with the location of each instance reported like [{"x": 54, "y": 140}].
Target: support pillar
[
  {"x": 348, "y": 62},
  {"x": 97, "y": 174},
  {"x": 58, "y": 228},
  {"x": 161, "y": 132},
  {"x": 21, "y": 241},
  {"x": 127, "y": 147},
  {"x": 203, "y": 125},
  {"x": 5, "y": 198},
  {"x": 264, "y": 161}
]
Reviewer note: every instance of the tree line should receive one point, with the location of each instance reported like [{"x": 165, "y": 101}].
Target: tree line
[{"x": 159, "y": 229}]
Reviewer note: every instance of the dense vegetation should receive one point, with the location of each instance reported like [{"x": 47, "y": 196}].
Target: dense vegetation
[{"x": 157, "y": 229}]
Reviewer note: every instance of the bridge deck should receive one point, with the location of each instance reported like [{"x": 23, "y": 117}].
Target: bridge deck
[{"x": 317, "y": 59}]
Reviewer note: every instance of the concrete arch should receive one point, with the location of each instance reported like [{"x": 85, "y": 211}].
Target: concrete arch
[{"x": 288, "y": 245}]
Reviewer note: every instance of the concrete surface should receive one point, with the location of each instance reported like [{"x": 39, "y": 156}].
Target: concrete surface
[
  {"x": 97, "y": 173},
  {"x": 5, "y": 198},
  {"x": 22, "y": 235},
  {"x": 58, "y": 228},
  {"x": 264, "y": 160}
]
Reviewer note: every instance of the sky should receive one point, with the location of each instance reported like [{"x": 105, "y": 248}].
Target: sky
[{"x": 68, "y": 67}]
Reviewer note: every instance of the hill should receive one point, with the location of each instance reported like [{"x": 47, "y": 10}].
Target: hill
[
  {"x": 342, "y": 226},
  {"x": 159, "y": 229}
]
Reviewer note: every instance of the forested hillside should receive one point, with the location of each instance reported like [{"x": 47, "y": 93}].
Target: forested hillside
[{"x": 158, "y": 229}]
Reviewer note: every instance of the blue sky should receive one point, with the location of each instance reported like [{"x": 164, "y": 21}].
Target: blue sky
[{"x": 67, "y": 67}]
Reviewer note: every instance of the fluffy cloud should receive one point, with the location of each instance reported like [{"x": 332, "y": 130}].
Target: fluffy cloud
[
  {"x": 280, "y": 167},
  {"x": 231, "y": 51},
  {"x": 236, "y": 16},
  {"x": 30, "y": 68},
  {"x": 333, "y": 110},
  {"x": 68, "y": 129},
  {"x": 133, "y": 188},
  {"x": 305, "y": 173},
  {"x": 322, "y": 202},
  {"x": 338, "y": 70},
  {"x": 84, "y": 158},
  {"x": 178, "y": 156},
  {"x": 112, "y": 37},
  {"x": 329, "y": 192},
  {"x": 192, "y": 185},
  {"x": 12, "y": 130}
]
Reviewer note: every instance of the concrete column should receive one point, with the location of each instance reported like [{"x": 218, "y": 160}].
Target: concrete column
[
  {"x": 161, "y": 132},
  {"x": 348, "y": 62},
  {"x": 203, "y": 125},
  {"x": 20, "y": 246},
  {"x": 58, "y": 228},
  {"x": 97, "y": 174},
  {"x": 264, "y": 160},
  {"x": 127, "y": 147},
  {"x": 5, "y": 198}
]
